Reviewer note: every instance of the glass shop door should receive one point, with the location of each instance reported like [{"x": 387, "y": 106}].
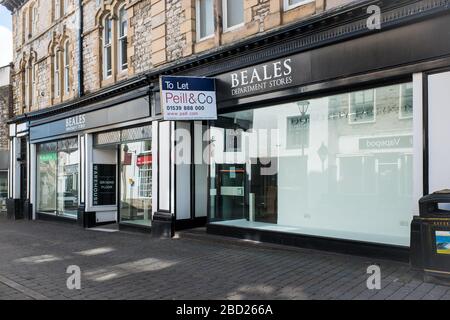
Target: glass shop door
[
  {"x": 136, "y": 183},
  {"x": 231, "y": 188}
]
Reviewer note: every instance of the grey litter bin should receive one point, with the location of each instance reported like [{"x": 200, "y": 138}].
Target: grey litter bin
[{"x": 430, "y": 237}]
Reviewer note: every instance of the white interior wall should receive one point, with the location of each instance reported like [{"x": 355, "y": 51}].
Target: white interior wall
[
  {"x": 155, "y": 167},
  {"x": 164, "y": 166},
  {"x": 439, "y": 131},
  {"x": 201, "y": 172},
  {"x": 183, "y": 170}
]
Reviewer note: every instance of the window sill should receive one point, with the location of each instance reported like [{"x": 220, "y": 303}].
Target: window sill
[
  {"x": 205, "y": 38},
  {"x": 205, "y": 44},
  {"x": 299, "y": 12},
  {"x": 122, "y": 75},
  {"x": 295, "y": 6},
  {"x": 233, "y": 28},
  {"x": 107, "y": 81}
]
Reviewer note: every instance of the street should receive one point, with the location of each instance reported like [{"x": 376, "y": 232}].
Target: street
[{"x": 118, "y": 265}]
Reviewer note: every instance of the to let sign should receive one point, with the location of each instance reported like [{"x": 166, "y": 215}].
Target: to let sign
[{"x": 188, "y": 98}]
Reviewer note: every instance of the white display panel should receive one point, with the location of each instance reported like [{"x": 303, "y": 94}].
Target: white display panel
[
  {"x": 439, "y": 131},
  {"x": 183, "y": 172},
  {"x": 164, "y": 164}
]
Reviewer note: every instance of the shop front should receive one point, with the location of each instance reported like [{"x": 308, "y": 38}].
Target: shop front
[
  {"x": 327, "y": 146},
  {"x": 126, "y": 181},
  {"x": 338, "y": 166},
  {"x": 94, "y": 164},
  {"x": 109, "y": 160}
]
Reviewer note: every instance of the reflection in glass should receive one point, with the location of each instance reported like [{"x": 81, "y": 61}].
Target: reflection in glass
[
  {"x": 338, "y": 166},
  {"x": 136, "y": 183},
  {"x": 362, "y": 107},
  {"x": 406, "y": 101}
]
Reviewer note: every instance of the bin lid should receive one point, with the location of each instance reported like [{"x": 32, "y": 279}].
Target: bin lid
[
  {"x": 442, "y": 196},
  {"x": 429, "y": 205},
  {"x": 445, "y": 191}
]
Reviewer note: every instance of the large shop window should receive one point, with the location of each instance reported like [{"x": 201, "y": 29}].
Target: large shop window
[
  {"x": 57, "y": 178},
  {"x": 338, "y": 167}
]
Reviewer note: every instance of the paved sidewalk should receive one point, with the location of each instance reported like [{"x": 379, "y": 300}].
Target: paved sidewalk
[{"x": 34, "y": 257}]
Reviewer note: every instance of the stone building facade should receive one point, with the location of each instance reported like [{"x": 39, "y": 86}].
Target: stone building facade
[
  {"x": 5, "y": 114},
  {"x": 158, "y": 32},
  {"x": 5, "y": 106}
]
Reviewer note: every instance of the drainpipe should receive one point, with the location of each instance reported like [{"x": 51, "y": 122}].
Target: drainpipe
[{"x": 80, "y": 51}]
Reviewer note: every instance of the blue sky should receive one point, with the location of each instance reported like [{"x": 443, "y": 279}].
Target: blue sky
[
  {"x": 5, "y": 18},
  {"x": 5, "y": 37}
]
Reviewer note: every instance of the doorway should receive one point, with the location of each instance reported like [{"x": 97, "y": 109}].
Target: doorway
[
  {"x": 136, "y": 180},
  {"x": 231, "y": 186},
  {"x": 24, "y": 178}
]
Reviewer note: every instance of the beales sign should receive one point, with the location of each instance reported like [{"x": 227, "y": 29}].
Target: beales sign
[
  {"x": 188, "y": 98},
  {"x": 131, "y": 110},
  {"x": 268, "y": 76},
  {"x": 263, "y": 78},
  {"x": 76, "y": 123}
]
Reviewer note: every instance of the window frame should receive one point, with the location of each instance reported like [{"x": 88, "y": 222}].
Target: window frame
[
  {"x": 107, "y": 25},
  {"x": 57, "y": 10},
  {"x": 25, "y": 27},
  {"x": 56, "y": 74},
  {"x": 145, "y": 174},
  {"x": 64, "y": 7},
  {"x": 31, "y": 20},
  {"x": 225, "y": 26},
  {"x": 35, "y": 24},
  {"x": 33, "y": 94},
  {"x": 198, "y": 20},
  {"x": 27, "y": 86},
  {"x": 287, "y": 6},
  {"x": 122, "y": 40},
  {"x": 66, "y": 67}
]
